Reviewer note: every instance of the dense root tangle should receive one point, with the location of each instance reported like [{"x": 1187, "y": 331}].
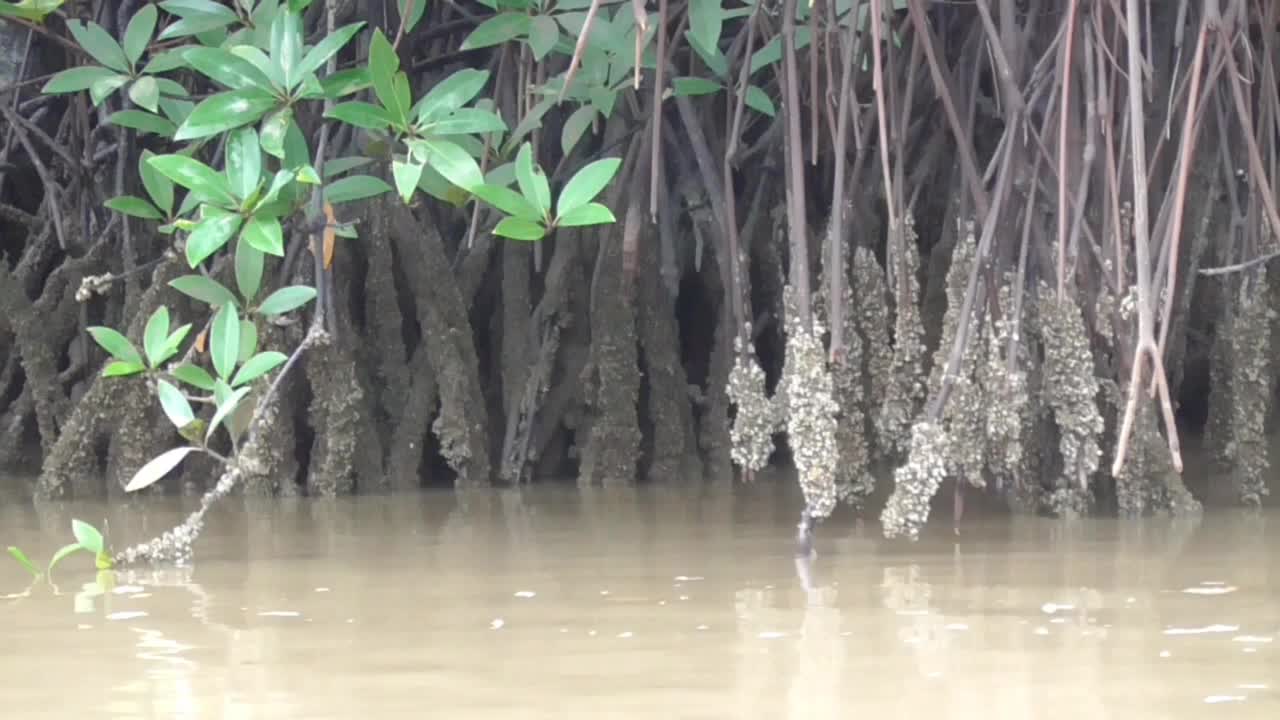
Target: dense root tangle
[
  {"x": 916, "y": 482},
  {"x": 755, "y": 420},
  {"x": 905, "y": 391},
  {"x": 811, "y": 411},
  {"x": 1071, "y": 391},
  {"x": 1250, "y": 390},
  {"x": 965, "y": 415}
]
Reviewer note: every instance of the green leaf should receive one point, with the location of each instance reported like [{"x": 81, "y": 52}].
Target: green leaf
[
  {"x": 205, "y": 289},
  {"x": 759, "y": 101},
  {"x": 583, "y": 187},
  {"x": 508, "y": 201},
  {"x": 24, "y": 561},
  {"x": 705, "y": 20},
  {"x": 195, "y": 376},
  {"x": 532, "y": 120},
  {"x": 265, "y": 234},
  {"x": 227, "y": 68},
  {"x": 346, "y": 82},
  {"x": 519, "y": 229},
  {"x": 532, "y": 181},
  {"x": 99, "y": 44},
  {"x": 116, "y": 344},
  {"x": 355, "y": 187},
  {"x": 145, "y": 93},
  {"x": 249, "y": 262},
  {"x": 87, "y": 535},
  {"x": 361, "y": 114},
  {"x": 468, "y": 121},
  {"x": 286, "y": 299},
  {"x": 337, "y": 166},
  {"x": 406, "y": 176},
  {"x": 75, "y": 79},
  {"x": 451, "y": 94},
  {"x": 33, "y": 10},
  {"x": 225, "y": 408},
  {"x": 157, "y": 468},
  {"x": 286, "y": 45},
  {"x": 104, "y": 86},
  {"x": 248, "y": 340},
  {"x": 451, "y": 161},
  {"x": 174, "y": 403},
  {"x": 155, "y": 334},
  {"x": 198, "y": 16},
  {"x": 383, "y": 64},
  {"x": 158, "y": 186},
  {"x": 274, "y": 130},
  {"x": 496, "y": 30},
  {"x": 133, "y": 206},
  {"x": 225, "y": 111},
  {"x": 544, "y": 31},
  {"x": 143, "y": 122},
  {"x": 166, "y": 61},
  {"x": 62, "y": 554},
  {"x": 173, "y": 342},
  {"x": 331, "y": 44},
  {"x": 214, "y": 230},
  {"x": 589, "y": 214},
  {"x": 209, "y": 186},
  {"x": 115, "y": 368},
  {"x": 691, "y": 86},
  {"x": 138, "y": 33},
  {"x": 224, "y": 340},
  {"x": 575, "y": 126},
  {"x": 414, "y": 12},
  {"x": 257, "y": 366},
  {"x": 243, "y": 161}
]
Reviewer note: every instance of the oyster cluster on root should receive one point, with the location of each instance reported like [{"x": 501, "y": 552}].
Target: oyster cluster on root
[
  {"x": 916, "y": 482},
  {"x": 756, "y": 419},
  {"x": 810, "y": 407},
  {"x": 965, "y": 415},
  {"x": 1251, "y": 384},
  {"x": 1070, "y": 389},
  {"x": 905, "y": 390}
]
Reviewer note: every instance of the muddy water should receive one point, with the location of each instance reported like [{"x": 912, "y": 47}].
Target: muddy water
[{"x": 654, "y": 603}]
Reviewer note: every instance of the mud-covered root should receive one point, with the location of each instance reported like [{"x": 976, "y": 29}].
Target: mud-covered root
[
  {"x": 916, "y": 482},
  {"x": 1071, "y": 391},
  {"x": 1251, "y": 385}
]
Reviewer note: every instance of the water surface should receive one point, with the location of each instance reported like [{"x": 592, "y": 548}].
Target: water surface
[{"x": 650, "y": 603}]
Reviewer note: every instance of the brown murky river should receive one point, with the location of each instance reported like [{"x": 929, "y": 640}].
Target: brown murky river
[{"x": 651, "y": 603}]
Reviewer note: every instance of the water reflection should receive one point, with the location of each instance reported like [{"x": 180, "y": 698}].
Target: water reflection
[{"x": 638, "y": 603}]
